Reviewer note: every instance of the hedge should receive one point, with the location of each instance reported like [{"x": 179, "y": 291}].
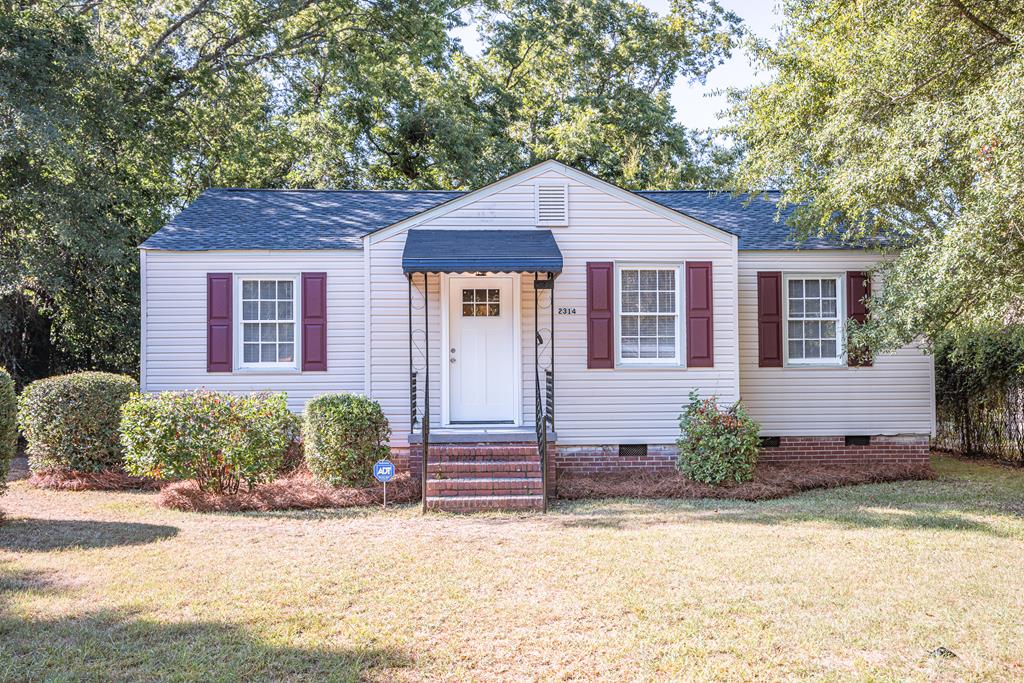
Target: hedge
[
  {"x": 8, "y": 425},
  {"x": 219, "y": 440},
  {"x": 717, "y": 445},
  {"x": 979, "y": 390},
  {"x": 344, "y": 434},
  {"x": 71, "y": 422}
]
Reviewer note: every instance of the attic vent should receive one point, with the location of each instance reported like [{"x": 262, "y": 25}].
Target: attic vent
[{"x": 553, "y": 204}]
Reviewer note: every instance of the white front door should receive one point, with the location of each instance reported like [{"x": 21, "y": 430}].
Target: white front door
[{"x": 481, "y": 349}]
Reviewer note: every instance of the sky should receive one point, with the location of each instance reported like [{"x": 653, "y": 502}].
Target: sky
[{"x": 697, "y": 105}]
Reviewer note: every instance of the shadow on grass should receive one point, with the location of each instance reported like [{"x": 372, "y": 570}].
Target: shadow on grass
[
  {"x": 898, "y": 518},
  {"x": 42, "y": 535},
  {"x": 123, "y": 645},
  {"x": 842, "y": 512}
]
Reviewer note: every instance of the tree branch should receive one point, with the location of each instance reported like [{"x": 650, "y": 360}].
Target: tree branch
[
  {"x": 999, "y": 36},
  {"x": 174, "y": 26}
]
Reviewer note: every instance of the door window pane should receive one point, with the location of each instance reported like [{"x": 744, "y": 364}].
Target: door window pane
[{"x": 480, "y": 303}]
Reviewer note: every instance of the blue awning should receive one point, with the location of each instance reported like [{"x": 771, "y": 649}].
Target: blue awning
[{"x": 481, "y": 251}]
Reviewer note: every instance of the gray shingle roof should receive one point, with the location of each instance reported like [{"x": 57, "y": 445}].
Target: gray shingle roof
[
  {"x": 336, "y": 219},
  {"x": 288, "y": 219},
  {"x": 752, "y": 220}
]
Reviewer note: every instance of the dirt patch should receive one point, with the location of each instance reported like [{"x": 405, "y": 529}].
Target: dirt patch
[
  {"x": 769, "y": 482},
  {"x": 90, "y": 481},
  {"x": 294, "y": 492}
]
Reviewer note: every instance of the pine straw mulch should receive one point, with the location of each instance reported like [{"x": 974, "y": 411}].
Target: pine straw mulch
[
  {"x": 297, "y": 491},
  {"x": 113, "y": 480},
  {"x": 770, "y": 481}
]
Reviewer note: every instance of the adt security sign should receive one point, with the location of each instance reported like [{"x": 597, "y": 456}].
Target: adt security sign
[{"x": 384, "y": 471}]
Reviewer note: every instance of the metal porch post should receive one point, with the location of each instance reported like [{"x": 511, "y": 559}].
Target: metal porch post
[{"x": 426, "y": 393}]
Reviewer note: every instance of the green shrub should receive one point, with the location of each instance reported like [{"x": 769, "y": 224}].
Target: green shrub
[
  {"x": 344, "y": 435},
  {"x": 219, "y": 440},
  {"x": 71, "y": 421},
  {"x": 717, "y": 445},
  {"x": 8, "y": 425}
]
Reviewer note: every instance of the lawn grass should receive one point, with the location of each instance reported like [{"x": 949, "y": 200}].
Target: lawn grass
[{"x": 847, "y": 584}]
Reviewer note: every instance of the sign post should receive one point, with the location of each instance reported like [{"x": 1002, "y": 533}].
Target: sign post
[{"x": 384, "y": 471}]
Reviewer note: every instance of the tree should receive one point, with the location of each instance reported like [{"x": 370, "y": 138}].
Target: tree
[
  {"x": 114, "y": 115},
  {"x": 902, "y": 121},
  {"x": 74, "y": 198}
]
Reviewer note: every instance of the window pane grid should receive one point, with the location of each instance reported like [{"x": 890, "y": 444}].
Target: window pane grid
[
  {"x": 481, "y": 303},
  {"x": 812, "y": 327},
  {"x": 648, "y": 316},
  {"x": 268, "y": 321}
]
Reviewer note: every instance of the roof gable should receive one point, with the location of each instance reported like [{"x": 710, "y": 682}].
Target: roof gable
[{"x": 545, "y": 170}]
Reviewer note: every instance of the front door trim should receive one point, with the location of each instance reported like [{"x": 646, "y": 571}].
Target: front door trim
[{"x": 517, "y": 353}]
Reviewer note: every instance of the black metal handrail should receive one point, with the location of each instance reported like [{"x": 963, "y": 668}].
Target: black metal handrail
[
  {"x": 412, "y": 400},
  {"x": 549, "y": 408}
]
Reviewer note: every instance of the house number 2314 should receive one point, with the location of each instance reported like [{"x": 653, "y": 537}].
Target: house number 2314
[{"x": 566, "y": 311}]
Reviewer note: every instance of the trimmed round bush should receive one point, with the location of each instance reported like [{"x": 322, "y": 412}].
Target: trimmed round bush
[
  {"x": 8, "y": 425},
  {"x": 71, "y": 422},
  {"x": 219, "y": 440},
  {"x": 717, "y": 445},
  {"x": 344, "y": 434}
]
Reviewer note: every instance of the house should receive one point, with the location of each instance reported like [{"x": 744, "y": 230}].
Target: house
[{"x": 549, "y": 317}]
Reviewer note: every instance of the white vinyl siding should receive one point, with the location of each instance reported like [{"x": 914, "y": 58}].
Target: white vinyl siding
[
  {"x": 174, "y": 321},
  {"x": 639, "y": 404},
  {"x": 893, "y": 396}
]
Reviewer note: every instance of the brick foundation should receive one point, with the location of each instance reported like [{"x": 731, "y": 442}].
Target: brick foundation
[
  {"x": 910, "y": 449},
  {"x": 598, "y": 459},
  {"x": 660, "y": 458},
  {"x": 889, "y": 450}
]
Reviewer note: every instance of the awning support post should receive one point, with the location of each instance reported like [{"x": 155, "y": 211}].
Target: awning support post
[{"x": 426, "y": 394}]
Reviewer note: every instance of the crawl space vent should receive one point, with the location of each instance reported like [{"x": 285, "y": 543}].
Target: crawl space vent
[
  {"x": 770, "y": 442},
  {"x": 858, "y": 440},
  {"x": 633, "y": 450}
]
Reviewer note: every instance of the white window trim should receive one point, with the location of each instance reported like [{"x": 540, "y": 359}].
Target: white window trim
[
  {"x": 840, "y": 359},
  {"x": 240, "y": 364},
  {"x": 675, "y": 362}
]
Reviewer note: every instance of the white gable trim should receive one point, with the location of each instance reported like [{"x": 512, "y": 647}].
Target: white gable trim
[{"x": 569, "y": 172}]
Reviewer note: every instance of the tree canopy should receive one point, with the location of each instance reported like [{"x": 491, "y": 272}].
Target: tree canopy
[
  {"x": 902, "y": 121},
  {"x": 115, "y": 114}
]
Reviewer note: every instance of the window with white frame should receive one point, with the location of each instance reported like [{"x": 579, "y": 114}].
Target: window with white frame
[
  {"x": 813, "y": 320},
  {"x": 648, "y": 314},
  {"x": 268, "y": 322}
]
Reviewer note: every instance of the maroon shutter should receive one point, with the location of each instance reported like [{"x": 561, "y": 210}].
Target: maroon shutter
[
  {"x": 218, "y": 322},
  {"x": 600, "y": 315},
  {"x": 700, "y": 336},
  {"x": 314, "y": 321},
  {"x": 858, "y": 288},
  {"x": 769, "y": 319}
]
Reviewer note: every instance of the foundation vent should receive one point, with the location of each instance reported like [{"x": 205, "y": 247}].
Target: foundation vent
[{"x": 633, "y": 450}]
